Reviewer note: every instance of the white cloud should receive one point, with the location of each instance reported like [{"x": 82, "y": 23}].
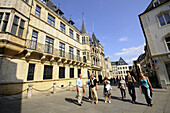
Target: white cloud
[
  {"x": 122, "y": 39},
  {"x": 130, "y": 61},
  {"x": 131, "y": 51}
]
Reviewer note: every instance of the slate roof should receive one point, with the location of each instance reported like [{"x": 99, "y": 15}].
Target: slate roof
[
  {"x": 59, "y": 12},
  {"x": 94, "y": 41},
  {"x": 120, "y": 62},
  {"x": 140, "y": 58},
  {"x": 151, "y": 6},
  {"x": 114, "y": 63},
  {"x": 83, "y": 29}
]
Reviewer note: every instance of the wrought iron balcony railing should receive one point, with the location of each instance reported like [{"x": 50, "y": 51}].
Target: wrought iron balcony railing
[{"x": 49, "y": 49}]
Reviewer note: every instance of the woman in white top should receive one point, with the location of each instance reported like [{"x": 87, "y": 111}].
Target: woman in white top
[
  {"x": 122, "y": 86},
  {"x": 107, "y": 89}
]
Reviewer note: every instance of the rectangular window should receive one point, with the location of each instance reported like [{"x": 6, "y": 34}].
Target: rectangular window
[
  {"x": 5, "y": 22},
  {"x": 84, "y": 53},
  {"x": 78, "y": 55},
  {"x": 167, "y": 18},
  {"x": 15, "y": 25},
  {"x": 62, "y": 27},
  {"x": 87, "y": 40},
  {"x": 51, "y": 20},
  {"x": 27, "y": 1},
  {"x": 83, "y": 40},
  {"x": 79, "y": 72},
  {"x": 71, "y": 72},
  {"x": 34, "y": 40},
  {"x": 61, "y": 72},
  {"x": 164, "y": 19},
  {"x": 88, "y": 56},
  {"x": 31, "y": 69},
  {"x": 48, "y": 71},
  {"x": 84, "y": 59},
  {"x": 62, "y": 49},
  {"x": 21, "y": 28},
  {"x": 71, "y": 33},
  {"x": 168, "y": 42},
  {"x": 38, "y": 11},
  {"x": 161, "y": 20},
  {"x": 1, "y": 16},
  {"x": 49, "y": 42},
  {"x": 71, "y": 53},
  {"x": 77, "y": 38}
]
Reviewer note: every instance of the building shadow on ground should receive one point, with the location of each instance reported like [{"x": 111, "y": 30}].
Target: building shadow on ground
[{"x": 127, "y": 100}]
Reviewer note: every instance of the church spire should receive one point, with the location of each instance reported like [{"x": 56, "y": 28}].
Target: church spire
[{"x": 83, "y": 29}]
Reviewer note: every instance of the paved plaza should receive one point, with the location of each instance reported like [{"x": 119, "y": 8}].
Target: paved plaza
[{"x": 66, "y": 102}]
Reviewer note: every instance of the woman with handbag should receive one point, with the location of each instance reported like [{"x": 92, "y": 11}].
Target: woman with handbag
[
  {"x": 146, "y": 87},
  {"x": 122, "y": 86}
]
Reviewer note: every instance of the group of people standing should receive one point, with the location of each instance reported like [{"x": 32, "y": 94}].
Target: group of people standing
[{"x": 129, "y": 83}]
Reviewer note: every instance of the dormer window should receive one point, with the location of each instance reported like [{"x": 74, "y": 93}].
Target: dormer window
[{"x": 156, "y": 3}]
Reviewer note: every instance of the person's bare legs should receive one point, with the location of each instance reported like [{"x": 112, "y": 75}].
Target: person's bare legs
[
  {"x": 105, "y": 98},
  {"x": 109, "y": 98}
]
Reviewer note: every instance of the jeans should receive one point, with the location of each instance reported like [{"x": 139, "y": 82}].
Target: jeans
[
  {"x": 147, "y": 93},
  {"x": 123, "y": 93},
  {"x": 132, "y": 93}
]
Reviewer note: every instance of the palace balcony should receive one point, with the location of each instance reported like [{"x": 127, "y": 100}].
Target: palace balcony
[{"x": 52, "y": 53}]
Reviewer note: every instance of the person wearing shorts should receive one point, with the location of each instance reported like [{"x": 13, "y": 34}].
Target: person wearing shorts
[{"x": 107, "y": 89}]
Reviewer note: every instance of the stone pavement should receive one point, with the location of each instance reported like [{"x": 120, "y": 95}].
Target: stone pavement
[{"x": 64, "y": 102}]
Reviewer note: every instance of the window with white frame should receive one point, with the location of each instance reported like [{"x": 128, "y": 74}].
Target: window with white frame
[
  {"x": 156, "y": 3},
  {"x": 21, "y": 28},
  {"x": 51, "y": 20},
  {"x": 15, "y": 25},
  {"x": 71, "y": 33},
  {"x": 83, "y": 40},
  {"x": 5, "y": 22},
  {"x": 77, "y": 37},
  {"x": 62, "y": 27},
  {"x": 168, "y": 42},
  {"x": 164, "y": 19},
  {"x": 1, "y": 16},
  {"x": 38, "y": 11}
]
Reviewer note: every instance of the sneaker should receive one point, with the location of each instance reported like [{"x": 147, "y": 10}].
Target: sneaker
[
  {"x": 96, "y": 102},
  {"x": 109, "y": 102},
  {"x": 89, "y": 99},
  {"x": 133, "y": 102},
  {"x": 105, "y": 101}
]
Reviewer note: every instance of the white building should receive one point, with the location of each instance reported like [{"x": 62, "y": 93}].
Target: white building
[
  {"x": 121, "y": 67},
  {"x": 155, "y": 22}
]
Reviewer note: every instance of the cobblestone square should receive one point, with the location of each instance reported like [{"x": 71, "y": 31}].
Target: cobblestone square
[{"x": 66, "y": 101}]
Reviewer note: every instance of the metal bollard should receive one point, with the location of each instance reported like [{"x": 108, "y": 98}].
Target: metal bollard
[
  {"x": 54, "y": 87},
  {"x": 69, "y": 86},
  {"x": 29, "y": 91}
]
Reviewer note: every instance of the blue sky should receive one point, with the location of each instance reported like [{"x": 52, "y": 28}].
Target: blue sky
[{"x": 116, "y": 24}]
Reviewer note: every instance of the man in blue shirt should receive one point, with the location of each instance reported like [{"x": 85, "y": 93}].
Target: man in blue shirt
[{"x": 79, "y": 85}]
